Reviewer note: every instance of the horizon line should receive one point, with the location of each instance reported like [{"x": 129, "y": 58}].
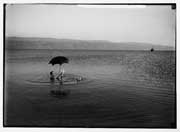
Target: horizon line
[{"x": 88, "y": 40}]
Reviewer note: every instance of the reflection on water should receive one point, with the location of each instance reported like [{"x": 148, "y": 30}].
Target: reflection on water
[{"x": 121, "y": 88}]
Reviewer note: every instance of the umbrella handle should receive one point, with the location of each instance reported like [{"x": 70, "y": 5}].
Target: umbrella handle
[
  {"x": 59, "y": 68},
  {"x": 59, "y": 71}
]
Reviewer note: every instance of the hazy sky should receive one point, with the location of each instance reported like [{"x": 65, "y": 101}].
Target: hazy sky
[{"x": 151, "y": 24}]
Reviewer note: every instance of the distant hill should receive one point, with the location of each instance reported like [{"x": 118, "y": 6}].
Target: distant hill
[{"x": 52, "y": 43}]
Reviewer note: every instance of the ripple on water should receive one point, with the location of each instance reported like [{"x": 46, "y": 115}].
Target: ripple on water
[{"x": 68, "y": 79}]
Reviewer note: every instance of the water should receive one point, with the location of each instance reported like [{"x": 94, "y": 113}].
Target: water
[{"x": 121, "y": 89}]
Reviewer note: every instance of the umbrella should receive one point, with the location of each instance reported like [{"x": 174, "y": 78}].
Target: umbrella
[{"x": 59, "y": 60}]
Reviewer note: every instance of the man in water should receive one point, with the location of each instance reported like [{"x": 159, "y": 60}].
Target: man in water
[{"x": 61, "y": 76}]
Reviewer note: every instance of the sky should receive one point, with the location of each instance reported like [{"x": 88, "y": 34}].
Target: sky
[{"x": 117, "y": 23}]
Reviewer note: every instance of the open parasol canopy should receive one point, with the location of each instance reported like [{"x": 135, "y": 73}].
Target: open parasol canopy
[{"x": 59, "y": 60}]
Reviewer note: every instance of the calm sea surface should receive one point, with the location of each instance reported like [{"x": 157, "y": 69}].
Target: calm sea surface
[{"x": 121, "y": 89}]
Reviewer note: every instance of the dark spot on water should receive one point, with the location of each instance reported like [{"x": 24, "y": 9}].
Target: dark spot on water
[{"x": 59, "y": 93}]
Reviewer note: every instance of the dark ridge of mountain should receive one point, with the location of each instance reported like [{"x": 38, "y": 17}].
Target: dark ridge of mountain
[{"x": 53, "y": 43}]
